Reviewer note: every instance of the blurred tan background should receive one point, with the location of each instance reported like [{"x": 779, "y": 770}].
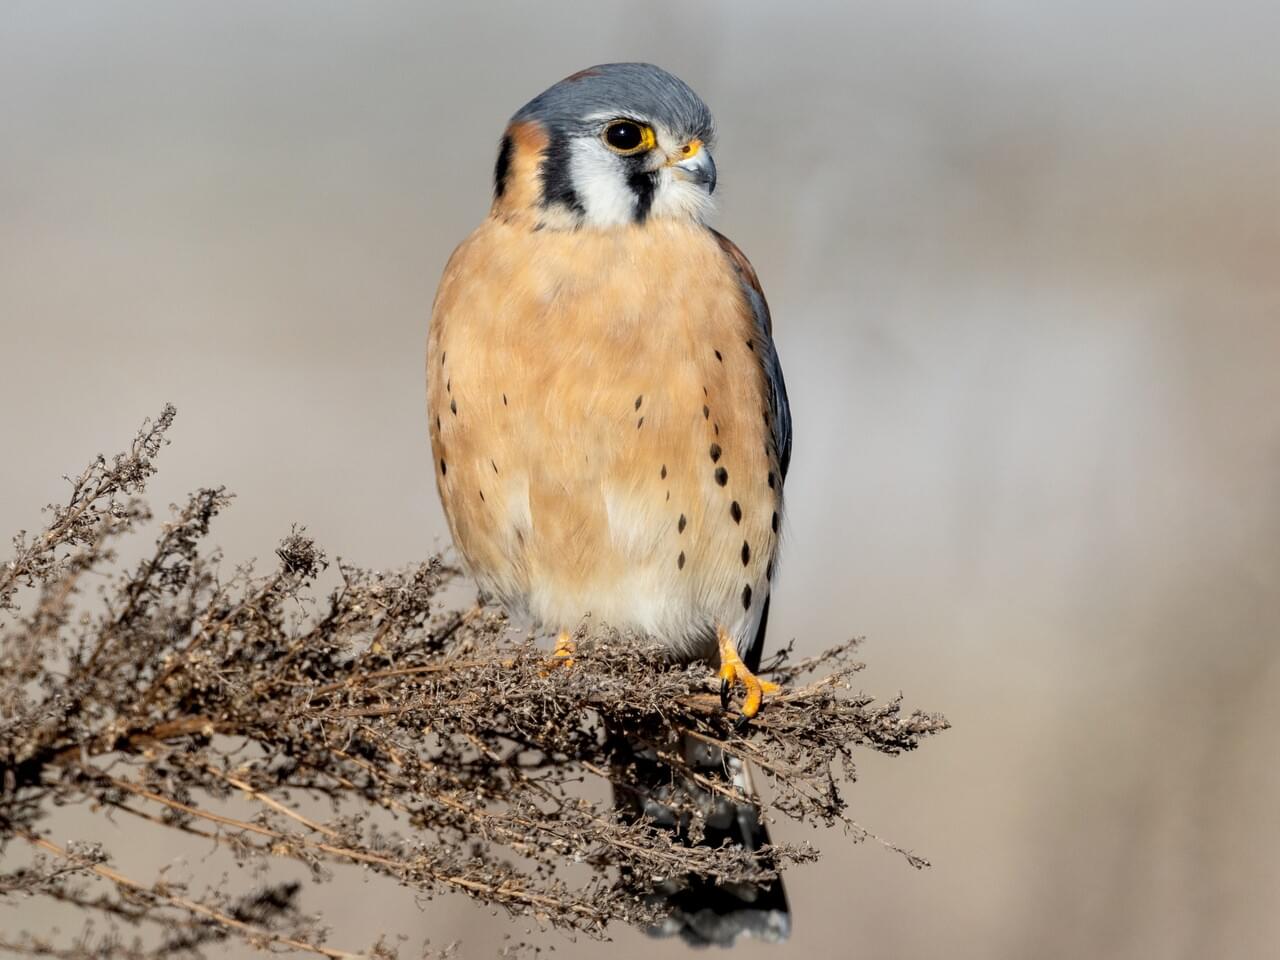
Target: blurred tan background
[{"x": 1024, "y": 265}]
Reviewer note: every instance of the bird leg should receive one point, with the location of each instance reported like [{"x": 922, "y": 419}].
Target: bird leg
[
  {"x": 733, "y": 670},
  {"x": 566, "y": 647}
]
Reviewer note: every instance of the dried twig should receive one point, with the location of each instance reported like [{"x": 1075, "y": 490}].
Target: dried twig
[
  {"x": 191, "y": 906},
  {"x": 450, "y": 757}
]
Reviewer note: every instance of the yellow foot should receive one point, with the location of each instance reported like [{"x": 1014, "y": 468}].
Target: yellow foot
[
  {"x": 733, "y": 670},
  {"x": 566, "y": 647}
]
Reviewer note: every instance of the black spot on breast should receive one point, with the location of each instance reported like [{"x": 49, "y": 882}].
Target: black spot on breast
[
  {"x": 746, "y": 597},
  {"x": 663, "y": 473},
  {"x": 746, "y": 553},
  {"x": 717, "y": 428},
  {"x": 482, "y": 496},
  {"x": 504, "y": 399},
  {"x": 494, "y": 465},
  {"x": 722, "y": 476},
  {"x": 453, "y": 407},
  {"x": 681, "y": 524},
  {"x": 735, "y": 511},
  {"x": 437, "y": 424},
  {"x": 680, "y": 561},
  {"x": 751, "y": 346},
  {"x": 715, "y": 452},
  {"x": 502, "y": 169},
  {"x": 444, "y": 467},
  {"x": 443, "y": 354},
  {"x": 448, "y": 385},
  {"x": 768, "y": 570},
  {"x": 706, "y": 412},
  {"x": 772, "y": 480},
  {"x": 640, "y": 423},
  {"x": 719, "y": 357},
  {"x": 773, "y": 522},
  {"x": 639, "y": 400}
]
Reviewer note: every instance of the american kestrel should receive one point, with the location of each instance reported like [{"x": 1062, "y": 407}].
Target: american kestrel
[
  {"x": 608, "y": 417},
  {"x": 607, "y": 412}
]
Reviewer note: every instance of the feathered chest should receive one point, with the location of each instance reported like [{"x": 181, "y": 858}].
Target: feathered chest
[{"x": 599, "y": 419}]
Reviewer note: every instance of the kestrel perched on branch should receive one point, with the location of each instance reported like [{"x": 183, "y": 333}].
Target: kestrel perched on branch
[
  {"x": 608, "y": 416},
  {"x": 607, "y": 412}
]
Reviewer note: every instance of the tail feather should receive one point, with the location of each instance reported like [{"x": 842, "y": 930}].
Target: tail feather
[{"x": 701, "y": 911}]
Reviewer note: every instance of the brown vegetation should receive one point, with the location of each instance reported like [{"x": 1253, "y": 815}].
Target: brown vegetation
[{"x": 448, "y": 756}]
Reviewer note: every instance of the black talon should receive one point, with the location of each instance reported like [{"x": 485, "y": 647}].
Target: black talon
[
  {"x": 741, "y": 723},
  {"x": 724, "y": 694}
]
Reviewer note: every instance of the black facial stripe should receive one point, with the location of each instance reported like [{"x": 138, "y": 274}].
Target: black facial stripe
[
  {"x": 558, "y": 186},
  {"x": 557, "y": 181},
  {"x": 503, "y": 167},
  {"x": 643, "y": 184}
]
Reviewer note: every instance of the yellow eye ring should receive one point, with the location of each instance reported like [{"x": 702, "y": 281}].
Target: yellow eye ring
[{"x": 629, "y": 137}]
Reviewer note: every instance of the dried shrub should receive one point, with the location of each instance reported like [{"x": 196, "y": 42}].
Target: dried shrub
[{"x": 450, "y": 756}]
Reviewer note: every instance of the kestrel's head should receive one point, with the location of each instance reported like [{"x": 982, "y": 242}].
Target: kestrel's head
[{"x": 615, "y": 144}]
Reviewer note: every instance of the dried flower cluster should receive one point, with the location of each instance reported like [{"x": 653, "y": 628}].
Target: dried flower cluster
[{"x": 449, "y": 756}]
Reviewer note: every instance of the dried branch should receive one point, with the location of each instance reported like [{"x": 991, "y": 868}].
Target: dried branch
[
  {"x": 182, "y": 903},
  {"x": 450, "y": 758}
]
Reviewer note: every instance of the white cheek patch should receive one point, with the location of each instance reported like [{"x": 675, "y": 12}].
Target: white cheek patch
[{"x": 598, "y": 180}]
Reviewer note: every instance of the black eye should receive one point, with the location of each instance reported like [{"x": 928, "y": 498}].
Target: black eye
[{"x": 624, "y": 136}]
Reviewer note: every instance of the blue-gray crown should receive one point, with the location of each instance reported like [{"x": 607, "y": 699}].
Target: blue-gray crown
[{"x": 637, "y": 91}]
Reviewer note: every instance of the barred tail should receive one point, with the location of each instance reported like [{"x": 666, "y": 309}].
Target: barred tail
[{"x": 702, "y": 912}]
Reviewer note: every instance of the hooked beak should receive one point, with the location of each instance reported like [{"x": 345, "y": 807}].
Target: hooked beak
[{"x": 693, "y": 162}]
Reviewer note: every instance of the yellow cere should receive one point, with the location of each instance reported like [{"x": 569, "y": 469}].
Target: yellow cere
[{"x": 687, "y": 152}]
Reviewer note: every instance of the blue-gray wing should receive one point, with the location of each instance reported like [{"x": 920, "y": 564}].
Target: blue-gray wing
[{"x": 779, "y": 408}]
